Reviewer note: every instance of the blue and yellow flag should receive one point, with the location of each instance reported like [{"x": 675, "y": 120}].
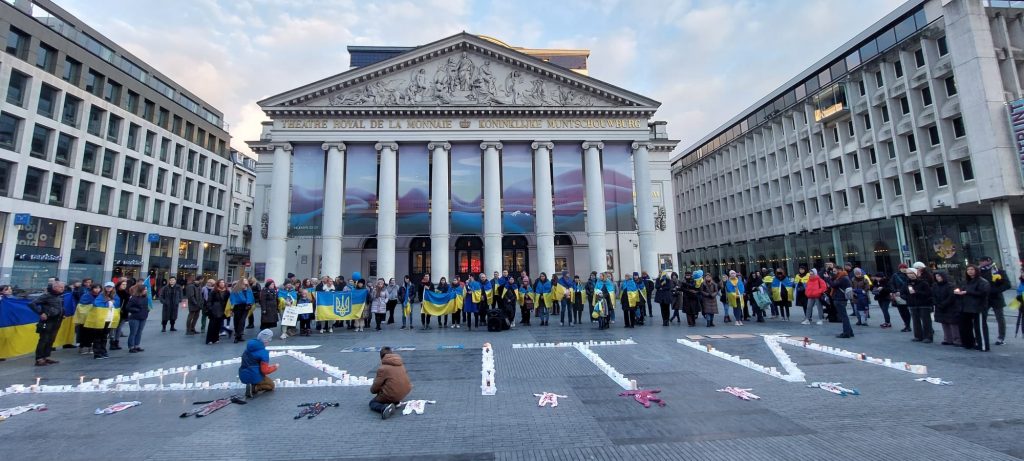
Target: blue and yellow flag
[
  {"x": 18, "y": 327},
  {"x": 341, "y": 305},
  {"x": 438, "y": 304}
]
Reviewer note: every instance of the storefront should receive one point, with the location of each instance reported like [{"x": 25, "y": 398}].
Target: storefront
[
  {"x": 37, "y": 253},
  {"x": 128, "y": 254},
  {"x": 950, "y": 243},
  {"x": 89, "y": 246},
  {"x": 160, "y": 253},
  {"x": 211, "y": 260},
  {"x": 188, "y": 262}
]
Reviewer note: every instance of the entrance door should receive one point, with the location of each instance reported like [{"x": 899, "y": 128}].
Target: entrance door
[
  {"x": 514, "y": 255},
  {"x": 419, "y": 258},
  {"x": 563, "y": 256},
  {"x": 468, "y": 257}
]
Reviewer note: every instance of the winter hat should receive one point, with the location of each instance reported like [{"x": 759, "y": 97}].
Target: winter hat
[
  {"x": 636, "y": 274},
  {"x": 108, "y": 285},
  {"x": 269, "y": 281},
  {"x": 698, "y": 274},
  {"x": 732, "y": 273},
  {"x": 919, "y": 265},
  {"x": 902, "y": 266},
  {"x": 265, "y": 335},
  {"x": 814, "y": 271}
]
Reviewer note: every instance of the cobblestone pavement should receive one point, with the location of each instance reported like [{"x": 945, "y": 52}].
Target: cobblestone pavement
[{"x": 979, "y": 417}]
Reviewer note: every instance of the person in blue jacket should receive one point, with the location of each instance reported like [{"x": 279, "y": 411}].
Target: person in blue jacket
[
  {"x": 241, "y": 300},
  {"x": 256, "y": 365}
]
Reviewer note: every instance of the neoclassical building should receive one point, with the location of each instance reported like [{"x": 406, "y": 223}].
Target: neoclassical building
[{"x": 461, "y": 156}]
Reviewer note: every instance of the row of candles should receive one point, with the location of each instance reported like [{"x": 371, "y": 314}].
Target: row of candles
[
  {"x": 886, "y": 362},
  {"x": 618, "y": 342},
  {"x": 487, "y": 384},
  {"x": 793, "y": 373}
]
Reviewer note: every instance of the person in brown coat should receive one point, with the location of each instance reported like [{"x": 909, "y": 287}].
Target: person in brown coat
[
  {"x": 391, "y": 384},
  {"x": 709, "y": 296}
]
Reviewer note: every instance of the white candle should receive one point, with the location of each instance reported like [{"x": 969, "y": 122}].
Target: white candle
[{"x": 81, "y": 380}]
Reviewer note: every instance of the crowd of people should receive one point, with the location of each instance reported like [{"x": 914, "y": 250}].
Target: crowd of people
[{"x": 217, "y": 309}]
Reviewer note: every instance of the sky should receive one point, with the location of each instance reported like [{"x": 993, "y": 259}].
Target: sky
[{"x": 704, "y": 60}]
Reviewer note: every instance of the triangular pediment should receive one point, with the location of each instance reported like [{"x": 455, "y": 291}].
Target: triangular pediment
[{"x": 460, "y": 73}]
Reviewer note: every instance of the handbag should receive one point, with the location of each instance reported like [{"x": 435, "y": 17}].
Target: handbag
[{"x": 183, "y": 304}]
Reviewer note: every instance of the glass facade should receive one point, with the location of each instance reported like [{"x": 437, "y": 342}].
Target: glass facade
[
  {"x": 37, "y": 254},
  {"x": 950, "y": 243},
  {"x": 88, "y": 247}
]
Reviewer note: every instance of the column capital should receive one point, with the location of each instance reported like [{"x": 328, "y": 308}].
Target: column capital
[
  {"x": 386, "y": 145},
  {"x": 286, "y": 146},
  {"x": 542, "y": 144},
  {"x": 595, "y": 144},
  {"x": 336, "y": 145},
  {"x": 439, "y": 144},
  {"x": 646, "y": 145},
  {"x": 491, "y": 144}
]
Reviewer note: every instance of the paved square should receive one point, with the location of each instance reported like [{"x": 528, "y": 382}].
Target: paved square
[{"x": 895, "y": 417}]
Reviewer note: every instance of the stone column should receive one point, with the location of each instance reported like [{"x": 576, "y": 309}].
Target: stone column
[
  {"x": 439, "y": 210},
  {"x": 200, "y": 256},
  {"x": 334, "y": 207},
  {"x": 1006, "y": 237},
  {"x": 277, "y": 229},
  {"x": 387, "y": 209},
  {"x": 645, "y": 207},
  {"x": 596, "y": 224},
  {"x": 492, "y": 207},
  {"x": 543, "y": 207}
]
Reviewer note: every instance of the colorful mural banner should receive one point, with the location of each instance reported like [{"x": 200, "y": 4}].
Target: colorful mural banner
[
  {"x": 517, "y": 188},
  {"x": 360, "y": 189},
  {"x": 569, "y": 189},
  {"x": 618, "y": 186},
  {"x": 466, "y": 190},
  {"x": 413, "y": 189},
  {"x": 1016, "y": 109},
  {"x": 307, "y": 205}
]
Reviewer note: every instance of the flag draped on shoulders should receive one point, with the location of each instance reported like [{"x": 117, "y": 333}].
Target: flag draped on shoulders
[
  {"x": 633, "y": 292},
  {"x": 542, "y": 290},
  {"x": 734, "y": 289}
]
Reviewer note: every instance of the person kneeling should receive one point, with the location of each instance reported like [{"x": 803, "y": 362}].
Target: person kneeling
[
  {"x": 256, "y": 365},
  {"x": 391, "y": 384}
]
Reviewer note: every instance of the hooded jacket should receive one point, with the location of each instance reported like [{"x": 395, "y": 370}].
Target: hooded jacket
[
  {"x": 946, "y": 309},
  {"x": 392, "y": 382},
  {"x": 816, "y": 287},
  {"x": 255, "y": 352}
]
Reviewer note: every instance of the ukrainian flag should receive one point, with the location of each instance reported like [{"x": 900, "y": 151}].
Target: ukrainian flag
[
  {"x": 438, "y": 304},
  {"x": 407, "y": 307},
  {"x": 341, "y": 305},
  {"x": 17, "y": 327}
]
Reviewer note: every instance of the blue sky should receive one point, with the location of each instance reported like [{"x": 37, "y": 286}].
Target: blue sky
[{"x": 705, "y": 60}]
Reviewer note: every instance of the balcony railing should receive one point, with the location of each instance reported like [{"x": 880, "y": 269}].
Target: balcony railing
[{"x": 238, "y": 251}]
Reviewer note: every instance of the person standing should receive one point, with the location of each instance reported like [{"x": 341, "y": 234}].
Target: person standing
[
  {"x": 194, "y": 296},
  {"x": 663, "y": 295},
  {"x": 997, "y": 284},
  {"x": 690, "y": 296},
  {"x": 974, "y": 295},
  {"x": 630, "y": 298},
  {"x": 815, "y": 288},
  {"x": 896, "y": 285},
  {"x": 589, "y": 288},
  {"x": 216, "y": 306},
  {"x": 861, "y": 302},
  {"x": 391, "y": 385},
  {"x": 734, "y": 294},
  {"x": 326, "y": 284},
  {"x": 800, "y": 288},
  {"x": 424, "y": 286},
  {"x": 105, "y": 312},
  {"x": 946, "y": 311},
  {"x": 117, "y": 331},
  {"x": 782, "y": 293},
  {"x": 137, "y": 312},
  {"x": 842, "y": 292},
  {"x": 565, "y": 290},
  {"x": 918, "y": 294},
  {"x": 255, "y": 287},
  {"x": 649, "y": 288},
  {"x": 709, "y": 296},
  {"x": 406, "y": 297},
  {"x": 525, "y": 297},
  {"x": 50, "y": 307},
  {"x": 305, "y": 320},
  {"x": 392, "y": 299},
  {"x": 241, "y": 301},
  {"x": 379, "y": 302},
  {"x": 542, "y": 291},
  {"x": 884, "y": 297},
  {"x": 170, "y": 296},
  {"x": 269, "y": 305}
]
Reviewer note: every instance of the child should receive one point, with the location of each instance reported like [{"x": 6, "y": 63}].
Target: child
[
  {"x": 305, "y": 320},
  {"x": 600, "y": 311}
]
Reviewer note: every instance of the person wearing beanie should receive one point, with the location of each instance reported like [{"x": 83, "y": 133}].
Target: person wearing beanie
[
  {"x": 998, "y": 282},
  {"x": 255, "y": 367}
]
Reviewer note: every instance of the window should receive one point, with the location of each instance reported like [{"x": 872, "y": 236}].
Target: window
[
  {"x": 224, "y": 175},
  {"x": 967, "y": 170},
  {"x": 828, "y": 201},
  {"x": 178, "y": 151},
  {"x": 176, "y": 125},
  {"x": 958, "y": 128},
  {"x": 10, "y": 127},
  {"x": 950, "y": 86},
  {"x": 6, "y": 169},
  {"x": 918, "y": 181},
  {"x": 940, "y": 176},
  {"x": 189, "y": 129},
  {"x": 34, "y": 179},
  {"x": 109, "y": 160},
  {"x": 897, "y": 67},
  {"x": 105, "y": 194},
  {"x": 89, "y": 157},
  {"x": 147, "y": 148},
  {"x": 131, "y": 102},
  {"x": 191, "y": 160},
  {"x": 866, "y": 119},
  {"x": 878, "y": 191},
  {"x": 197, "y": 218},
  {"x": 165, "y": 147},
  {"x": 824, "y": 170},
  {"x": 220, "y": 200},
  {"x": 247, "y": 216},
  {"x": 856, "y": 161},
  {"x": 185, "y": 212},
  {"x": 123, "y": 204},
  {"x": 919, "y": 57},
  {"x": 17, "y": 43},
  {"x": 911, "y": 143},
  {"x": 148, "y": 108},
  {"x": 904, "y": 106},
  {"x": 69, "y": 113},
  {"x": 65, "y": 148},
  {"x": 897, "y": 188},
  {"x": 84, "y": 195},
  {"x": 892, "y": 149},
  {"x": 95, "y": 121},
  {"x": 926, "y": 96},
  {"x": 250, "y": 188},
  {"x": 845, "y": 199},
  {"x": 172, "y": 210},
  {"x": 72, "y": 71},
  {"x": 860, "y": 195},
  {"x": 163, "y": 118},
  {"x": 58, "y": 189},
  {"x": 17, "y": 88},
  {"x": 873, "y": 155},
  {"x": 128, "y": 172},
  {"x": 849, "y": 128},
  {"x": 158, "y": 210},
  {"x": 933, "y": 135},
  {"x": 238, "y": 183},
  {"x": 884, "y": 108},
  {"x": 144, "y": 175},
  {"x": 201, "y": 169},
  {"x": 47, "y": 106},
  {"x": 199, "y": 193},
  {"x": 175, "y": 179},
  {"x": 860, "y": 87},
  {"x": 112, "y": 92},
  {"x": 40, "y": 142},
  {"x": 188, "y": 189},
  {"x": 235, "y": 211},
  {"x": 140, "y": 208},
  {"x": 839, "y": 166},
  {"x": 133, "y": 137},
  {"x": 114, "y": 129},
  {"x": 943, "y": 47},
  {"x": 94, "y": 82},
  {"x": 879, "y": 81}
]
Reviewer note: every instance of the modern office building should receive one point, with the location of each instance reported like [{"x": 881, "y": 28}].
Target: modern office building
[
  {"x": 240, "y": 227},
  {"x": 458, "y": 157},
  {"x": 895, "y": 147},
  {"x": 107, "y": 167}
]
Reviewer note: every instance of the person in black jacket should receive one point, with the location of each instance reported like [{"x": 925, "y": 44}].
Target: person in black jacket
[
  {"x": 649, "y": 287},
  {"x": 947, "y": 311},
  {"x": 664, "y": 296},
  {"x": 997, "y": 284},
  {"x": 170, "y": 295},
  {"x": 50, "y": 307},
  {"x": 137, "y": 312},
  {"x": 973, "y": 294},
  {"x": 215, "y": 307},
  {"x": 918, "y": 294},
  {"x": 693, "y": 305}
]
